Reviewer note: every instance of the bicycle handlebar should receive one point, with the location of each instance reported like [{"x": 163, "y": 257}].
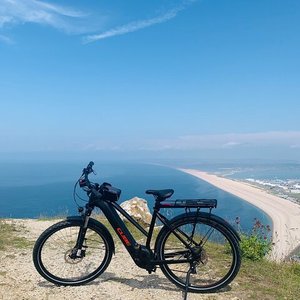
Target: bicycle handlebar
[
  {"x": 84, "y": 179},
  {"x": 94, "y": 188},
  {"x": 89, "y": 169}
]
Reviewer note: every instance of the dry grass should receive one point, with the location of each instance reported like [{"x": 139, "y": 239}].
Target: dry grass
[
  {"x": 10, "y": 236},
  {"x": 269, "y": 280}
]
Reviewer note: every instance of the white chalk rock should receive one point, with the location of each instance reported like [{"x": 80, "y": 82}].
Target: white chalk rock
[{"x": 138, "y": 209}]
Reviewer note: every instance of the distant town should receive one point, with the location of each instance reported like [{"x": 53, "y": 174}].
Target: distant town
[{"x": 287, "y": 189}]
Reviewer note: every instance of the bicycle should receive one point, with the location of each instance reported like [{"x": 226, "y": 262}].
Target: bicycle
[{"x": 196, "y": 250}]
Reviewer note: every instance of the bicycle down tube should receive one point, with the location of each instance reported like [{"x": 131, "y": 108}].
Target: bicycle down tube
[
  {"x": 109, "y": 210},
  {"x": 119, "y": 226}
]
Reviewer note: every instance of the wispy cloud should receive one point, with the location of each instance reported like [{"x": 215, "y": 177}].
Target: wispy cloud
[
  {"x": 137, "y": 25},
  {"x": 6, "y": 40},
  {"x": 70, "y": 20},
  {"x": 297, "y": 146},
  {"x": 13, "y": 12},
  {"x": 223, "y": 142},
  {"x": 289, "y": 139},
  {"x": 229, "y": 145}
]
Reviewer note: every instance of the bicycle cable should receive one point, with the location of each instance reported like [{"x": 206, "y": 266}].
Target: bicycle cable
[{"x": 75, "y": 194}]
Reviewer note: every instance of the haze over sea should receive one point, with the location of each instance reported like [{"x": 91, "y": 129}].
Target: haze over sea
[{"x": 31, "y": 190}]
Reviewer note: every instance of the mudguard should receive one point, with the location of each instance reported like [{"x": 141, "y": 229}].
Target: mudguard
[{"x": 98, "y": 224}]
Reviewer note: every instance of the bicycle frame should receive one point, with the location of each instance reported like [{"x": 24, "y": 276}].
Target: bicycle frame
[
  {"x": 110, "y": 209},
  {"x": 179, "y": 241}
]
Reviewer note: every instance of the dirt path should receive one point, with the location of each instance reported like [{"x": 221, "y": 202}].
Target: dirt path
[{"x": 122, "y": 280}]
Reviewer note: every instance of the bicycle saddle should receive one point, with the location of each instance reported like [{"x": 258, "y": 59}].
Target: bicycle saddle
[{"x": 161, "y": 194}]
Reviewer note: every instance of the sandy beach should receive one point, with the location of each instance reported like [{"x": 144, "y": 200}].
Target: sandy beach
[{"x": 285, "y": 214}]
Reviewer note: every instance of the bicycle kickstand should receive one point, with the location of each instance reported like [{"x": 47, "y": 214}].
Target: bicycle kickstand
[{"x": 187, "y": 282}]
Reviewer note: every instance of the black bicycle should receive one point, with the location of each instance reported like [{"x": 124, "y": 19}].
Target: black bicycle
[{"x": 197, "y": 251}]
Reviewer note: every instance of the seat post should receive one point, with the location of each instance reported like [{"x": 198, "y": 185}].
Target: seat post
[
  {"x": 152, "y": 224},
  {"x": 157, "y": 201}
]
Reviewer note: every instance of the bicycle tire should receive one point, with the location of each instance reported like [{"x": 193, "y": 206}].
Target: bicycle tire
[
  {"x": 51, "y": 253},
  {"x": 219, "y": 258}
]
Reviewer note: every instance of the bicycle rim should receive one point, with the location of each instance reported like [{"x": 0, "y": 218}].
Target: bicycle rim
[
  {"x": 217, "y": 260},
  {"x": 56, "y": 265}
]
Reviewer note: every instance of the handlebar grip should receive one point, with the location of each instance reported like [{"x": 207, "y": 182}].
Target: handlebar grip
[
  {"x": 90, "y": 165},
  {"x": 89, "y": 168}
]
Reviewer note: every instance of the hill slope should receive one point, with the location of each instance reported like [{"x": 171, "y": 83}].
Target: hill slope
[{"x": 122, "y": 279}]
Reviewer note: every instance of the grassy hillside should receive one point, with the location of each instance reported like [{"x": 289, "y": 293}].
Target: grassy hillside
[{"x": 260, "y": 279}]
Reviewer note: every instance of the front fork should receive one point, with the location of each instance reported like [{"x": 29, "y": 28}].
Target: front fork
[{"x": 79, "y": 250}]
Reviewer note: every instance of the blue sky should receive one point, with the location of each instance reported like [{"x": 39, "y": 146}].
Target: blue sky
[{"x": 200, "y": 79}]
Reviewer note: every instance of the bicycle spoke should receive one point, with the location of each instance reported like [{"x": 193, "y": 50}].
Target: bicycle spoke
[
  {"x": 206, "y": 237},
  {"x": 56, "y": 251},
  {"x": 209, "y": 251}
]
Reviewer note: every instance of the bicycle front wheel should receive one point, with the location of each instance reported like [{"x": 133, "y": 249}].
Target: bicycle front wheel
[
  {"x": 205, "y": 248},
  {"x": 52, "y": 253}
]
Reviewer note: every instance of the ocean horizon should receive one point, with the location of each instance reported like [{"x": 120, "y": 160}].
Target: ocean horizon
[{"x": 41, "y": 189}]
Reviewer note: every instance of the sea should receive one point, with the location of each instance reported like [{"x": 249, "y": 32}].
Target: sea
[{"x": 45, "y": 189}]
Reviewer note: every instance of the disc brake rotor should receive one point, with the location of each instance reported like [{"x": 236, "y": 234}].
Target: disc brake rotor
[{"x": 70, "y": 260}]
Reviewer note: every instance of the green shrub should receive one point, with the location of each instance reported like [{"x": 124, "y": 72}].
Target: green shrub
[
  {"x": 257, "y": 244},
  {"x": 254, "y": 247}
]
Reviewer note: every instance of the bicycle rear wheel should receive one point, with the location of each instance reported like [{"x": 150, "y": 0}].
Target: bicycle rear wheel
[
  {"x": 52, "y": 253},
  {"x": 211, "y": 248}
]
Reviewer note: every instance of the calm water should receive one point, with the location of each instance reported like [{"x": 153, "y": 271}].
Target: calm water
[{"x": 31, "y": 190}]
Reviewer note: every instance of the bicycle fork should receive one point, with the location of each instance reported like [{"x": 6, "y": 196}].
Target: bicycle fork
[{"x": 78, "y": 251}]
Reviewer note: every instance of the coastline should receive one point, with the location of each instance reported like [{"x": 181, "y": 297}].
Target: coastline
[{"x": 284, "y": 214}]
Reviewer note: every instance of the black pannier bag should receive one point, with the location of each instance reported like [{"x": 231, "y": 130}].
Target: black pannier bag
[{"x": 109, "y": 192}]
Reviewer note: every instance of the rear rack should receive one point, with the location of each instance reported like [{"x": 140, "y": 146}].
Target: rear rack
[{"x": 193, "y": 203}]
